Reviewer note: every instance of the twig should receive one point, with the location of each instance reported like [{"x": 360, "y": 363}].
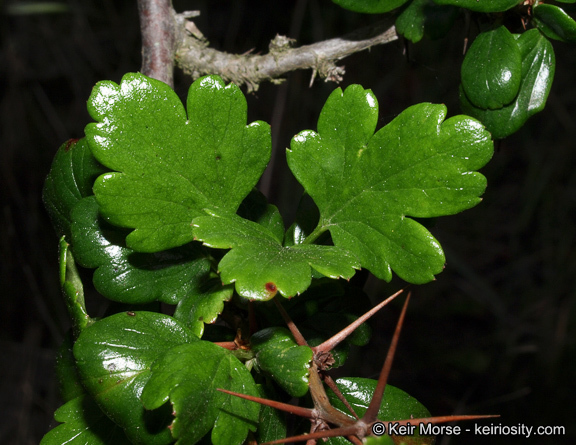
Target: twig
[
  {"x": 157, "y": 26},
  {"x": 196, "y": 59}
]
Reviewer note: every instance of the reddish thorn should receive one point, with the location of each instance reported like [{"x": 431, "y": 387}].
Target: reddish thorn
[
  {"x": 333, "y": 341},
  {"x": 336, "y": 432},
  {"x": 298, "y": 337},
  {"x": 444, "y": 419},
  {"x": 297, "y": 410},
  {"x": 372, "y": 411},
  {"x": 332, "y": 385}
]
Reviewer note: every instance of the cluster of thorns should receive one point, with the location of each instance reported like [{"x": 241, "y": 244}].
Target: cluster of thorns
[{"x": 327, "y": 421}]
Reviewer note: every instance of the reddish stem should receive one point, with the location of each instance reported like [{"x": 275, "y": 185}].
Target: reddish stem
[{"x": 298, "y": 337}]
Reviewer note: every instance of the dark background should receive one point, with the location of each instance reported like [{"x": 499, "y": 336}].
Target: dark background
[{"x": 494, "y": 334}]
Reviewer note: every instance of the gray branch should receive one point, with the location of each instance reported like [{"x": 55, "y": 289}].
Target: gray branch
[{"x": 194, "y": 56}]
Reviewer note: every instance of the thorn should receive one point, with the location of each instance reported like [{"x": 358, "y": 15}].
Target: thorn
[
  {"x": 336, "y": 432},
  {"x": 292, "y": 409},
  {"x": 372, "y": 412},
  {"x": 298, "y": 337},
  {"x": 332, "y": 385},
  {"x": 335, "y": 340}
]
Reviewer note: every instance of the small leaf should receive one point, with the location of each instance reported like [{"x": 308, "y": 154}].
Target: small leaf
[
  {"x": 189, "y": 376},
  {"x": 114, "y": 357},
  {"x": 366, "y": 184},
  {"x": 425, "y": 17},
  {"x": 279, "y": 355},
  {"x": 83, "y": 423},
  {"x": 538, "y": 65},
  {"x": 260, "y": 265},
  {"x": 555, "y": 23},
  {"x": 370, "y": 6},
  {"x": 131, "y": 277},
  {"x": 168, "y": 167},
  {"x": 71, "y": 177},
  {"x": 482, "y": 5},
  {"x": 72, "y": 289},
  {"x": 203, "y": 307},
  {"x": 492, "y": 69}
]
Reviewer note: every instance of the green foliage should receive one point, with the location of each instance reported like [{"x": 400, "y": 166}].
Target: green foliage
[
  {"x": 159, "y": 200},
  {"x": 365, "y": 184},
  {"x": 538, "y": 66}
]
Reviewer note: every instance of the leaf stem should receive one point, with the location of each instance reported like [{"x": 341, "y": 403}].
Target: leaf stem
[{"x": 319, "y": 230}]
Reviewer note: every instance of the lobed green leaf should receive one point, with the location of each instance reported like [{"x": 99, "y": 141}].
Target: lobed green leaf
[
  {"x": 168, "y": 167},
  {"x": 190, "y": 376},
  {"x": 258, "y": 263},
  {"x": 366, "y": 185},
  {"x": 283, "y": 359},
  {"x": 114, "y": 357}
]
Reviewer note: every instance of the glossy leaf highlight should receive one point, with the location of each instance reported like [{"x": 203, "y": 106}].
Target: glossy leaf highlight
[
  {"x": 169, "y": 165},
  {"x": 367, "y": 185}
]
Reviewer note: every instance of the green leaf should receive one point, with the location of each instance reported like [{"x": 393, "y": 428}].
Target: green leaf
[
  {"x": 68, "y": 379},
  {"x": 131, "y": 277},
  {"x": 279, "y": 355},
  {"x": 555, "y": 23},
  {"x": 259, "y": 264},
  {"x": 72, "y": 289},
  {"x": 370, "y": 6},
  {"x": 70, "y": 179},
  {"x": 396, "y": 404},
  {"x": 272, "y": 422},
  {"x": 203, "y": 307},
  {"x": 366, "y": 184},
  {"x": 538, "y": 65},
  {"x": 425, "y": 17},
  {"x": 492, "y": 69},
  {"x": 83, "y": 423},
  {"x": 114, "y": 357},
  {"x": 189, "y": 376},
  {"x": 168, "y": 167},
  {"x": 482, "y": 5}
]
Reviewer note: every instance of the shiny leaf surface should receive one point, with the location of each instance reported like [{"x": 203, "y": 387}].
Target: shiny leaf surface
[
  {"x": 131, "y": 277},
  {"x": 538, "y": 66},
  {"x": 189, "y": 376},
  {"x": 169, "y": 166},
  {"x": 555, "y": 23},
  {"x": 259, "y": 264},
  {"x": 367, "y": 185},
  {"x": 114, "y": 357},
  {"x": 492, "y": 69},
  {"x": 279, "y": 355}
]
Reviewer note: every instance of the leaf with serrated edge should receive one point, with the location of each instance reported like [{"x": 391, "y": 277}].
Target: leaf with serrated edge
[
  {"x": 259, "y": 264},
  {"x": 132, "y": 277},
  {"x": 190, "y": 376},
  {"x": 538, "y": 66},
  {"x": 280, "y": 356},
  {"x": 114, "y": 357},
  {"x": 169, "y": 167},
  {"x": 366, "y": 184},
  {"x": 83, "y": 423}
]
